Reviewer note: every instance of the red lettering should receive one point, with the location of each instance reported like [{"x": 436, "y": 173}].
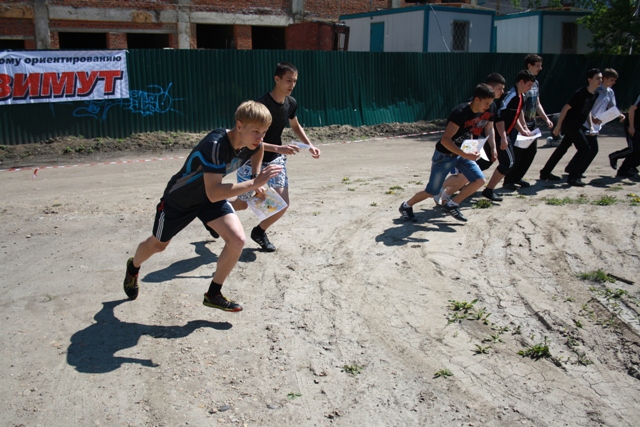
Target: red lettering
[
  {"x": 24, "y": 83},
  {"x": 110, "y": 77},
  {"x": 87, "y": 82},
  {"x": 5, "y": 86},
  {"x": 56, "y": 84}
]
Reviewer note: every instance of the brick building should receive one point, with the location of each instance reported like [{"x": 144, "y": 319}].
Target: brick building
[{"x": 177, "y": 24}]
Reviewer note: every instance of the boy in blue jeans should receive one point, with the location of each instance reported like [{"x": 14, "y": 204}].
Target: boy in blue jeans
[{"x": 466, "y": 121}]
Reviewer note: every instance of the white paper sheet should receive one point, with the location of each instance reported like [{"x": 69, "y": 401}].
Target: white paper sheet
[
  {"x": 525, "y": 141},
  {"x": 469, "y": 145},
  {"x": 608, "y": 115},
  {"x": 271, "y": 205}
]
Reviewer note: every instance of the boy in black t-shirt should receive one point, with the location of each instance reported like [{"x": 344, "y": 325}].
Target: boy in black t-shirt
[
  {"x": 197, "y": 191},
  {"x": 466, "y": 121},
  {"x": 576, "y": 112},
  {"x": 631, "y": 154},
  {"x": 282, "y": 107},
  {"x": 509, "y": 123}
]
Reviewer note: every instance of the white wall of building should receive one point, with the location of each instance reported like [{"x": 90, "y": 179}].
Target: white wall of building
[
  {"x": 517, "y": 35},
  {"x": 440, "y": 24},
  {"x": 403, "y": 32}
]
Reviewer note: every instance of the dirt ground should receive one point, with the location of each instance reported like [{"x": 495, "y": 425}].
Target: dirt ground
[{"x": 359, "y": 318}]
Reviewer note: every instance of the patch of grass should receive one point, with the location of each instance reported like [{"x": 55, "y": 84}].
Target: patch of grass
[
  {"x": 537, "y": 351},
  {"x": 292, "y": 395},
  {"x": 605, "y": 201},
  {"x": 443, "y": 373},
  {"x": 554, "y": 201},
  {"x": 581, "y": 359},
  {"x": 577, "y": 323},
  {"x": 611, "y": 322},
  {"x": 462, "y": 306},
  {"x": 315, "y": 213},
  {"x": 396, "y": 187},
  {"x": 354, "y": 369},
  {"x": 596, "y": 276},
  {"x": 346, "y": 179},
  {"x": 49, "y": 298},
  {"x": 373, "y": 204},
  {"x": 615, "y": 188},
  {"x": 67, "y": 150},
  {"x": 483, "y": 204},
  {"x": 351, "y": 189},
  {"x": 517, "y": 330},
  {"x": 482, "y": 350},
  {"x": 493, "y": 338}
]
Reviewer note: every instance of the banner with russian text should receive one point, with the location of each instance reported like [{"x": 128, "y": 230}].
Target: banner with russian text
[{"x": 60, "y": 76}]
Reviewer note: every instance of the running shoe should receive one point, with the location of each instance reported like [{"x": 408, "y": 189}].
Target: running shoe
[
  {"x": 407, "y": 213},
  {"x": 262, "y": 240},
  {"x": 509, "y": 186},
  {"x": 524, "y": 184},
  {"x": 221, "y": 303},
  {"x": 613, "y": 162},
  {"x": 488, "y": 193},
  {"x": 576, "y": 183},
  {"x": 454, "y": 211},
  {"x": 131, "y": 283},
  {"x": 549, "y": 177}
]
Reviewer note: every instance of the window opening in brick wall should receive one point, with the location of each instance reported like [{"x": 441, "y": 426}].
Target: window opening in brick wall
[
  {"x": 12, "y": 44},
  {"x": 147, "y": 41},
  {"x": 268, "y": 38},
  {"x": 569, "y": 37},
  {"x": 215, "y": 36},
  {"x": 70, "y": 41},
  {"x": 460, "y": 36}
]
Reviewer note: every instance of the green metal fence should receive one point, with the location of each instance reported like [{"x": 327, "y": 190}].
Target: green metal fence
[{"x": 197, "y": 90}]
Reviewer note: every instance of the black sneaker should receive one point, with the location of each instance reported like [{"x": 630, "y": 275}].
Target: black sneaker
[
  {"x": 576, "y": 183},
  {"x": 454, "y": 211},
  {"x": 407, "y": 213},
  {"x": 613, "y": 162},
  {"x": 549, "y": 176},
  {"x": 524, "y": 184},
  {"x": 130, "y": 283},
  {"x": 262, "y": 240},
  {"x": 509, "y": 186},
  {"x": 488, "y": 193},
  {"x": 213, "y": 232},
  {"x": 221, "y": 303}
]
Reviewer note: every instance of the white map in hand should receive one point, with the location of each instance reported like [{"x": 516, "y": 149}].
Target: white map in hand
[{"x": 271, "y": 205}]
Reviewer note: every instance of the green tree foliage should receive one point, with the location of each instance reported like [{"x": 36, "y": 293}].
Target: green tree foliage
[{"x": 615, "y": 25}]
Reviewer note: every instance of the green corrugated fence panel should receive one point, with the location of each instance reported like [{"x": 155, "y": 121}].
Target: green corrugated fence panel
[{"x": 197, "y": 90}]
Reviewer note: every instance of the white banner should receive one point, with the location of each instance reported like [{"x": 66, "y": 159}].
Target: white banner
[{"x": 60, "y": 76}]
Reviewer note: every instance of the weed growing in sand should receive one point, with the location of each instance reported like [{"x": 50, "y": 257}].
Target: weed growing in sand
[
  {"x": 374, "y": 204},
  {"x": 49, "y": 298},
  {"x": 582, "y": 359},
  {"x": 596, "y": 276},
  {"x": 351, "y": 189},
  {"x": 577, "y": 323},
  {"x": 611, "y": 322},
  {"x": 605, "y": 201},
  {"x": 493, "y": 338},
  {"x": 292, "y": 395},
  {"x": 462, "y": 306},
  {"x": 443, "y": 373},
  {"x": 346, "y": 180},
  {"x": 517, "y": 330},
  {"x": 554, "y": 201},
  {"x": 537, "y": 351},
  {"x": 482, "y": 350},
  {"x": 354, "y": 369},
  {"x": 392, "y": 190},
  {"x": 315, "y": 213},
  {"x": 634, "y": 198},
  {"x": 483, "y": 204},
  {"x": 615, "y": 188}
]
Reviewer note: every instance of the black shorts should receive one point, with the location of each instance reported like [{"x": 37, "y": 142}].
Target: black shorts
[{"x": 170, "y": 220}]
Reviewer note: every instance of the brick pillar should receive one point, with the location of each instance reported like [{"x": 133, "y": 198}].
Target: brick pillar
[
  {"x": 194, "y": 37},
  {"x": 242, "y": 37},
  {"x": 30, "y": 44},
  {"x": 41, "y": 22},
  {"x": 116, "y": 41},
  {"x": 54, "y": 41}
]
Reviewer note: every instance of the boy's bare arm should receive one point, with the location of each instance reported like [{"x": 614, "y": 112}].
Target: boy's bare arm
[
  {"x": 542, "y": 114},
  {"x": 563, "y": 114},
  {"x": 299, "y": 131}
]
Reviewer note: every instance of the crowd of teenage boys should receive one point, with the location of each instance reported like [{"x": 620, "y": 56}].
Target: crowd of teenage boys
[
  {"x": 254, "y": 149},
  {"x": 501, "y": 117}
]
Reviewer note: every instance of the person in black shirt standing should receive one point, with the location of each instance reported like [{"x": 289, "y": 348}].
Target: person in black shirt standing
[
  {"x": 282, "y": 107},
  {"x": 197, "y": 191},
  {"x": 572, "y": 117}
]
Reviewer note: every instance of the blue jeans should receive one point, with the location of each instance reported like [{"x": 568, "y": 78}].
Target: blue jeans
[{"x": 441, "y": 165}]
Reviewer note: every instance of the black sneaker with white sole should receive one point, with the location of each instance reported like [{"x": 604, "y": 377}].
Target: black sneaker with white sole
[
  {"x": 262, "y": 240},
  {"x": 407, "y": 213},
  {"x": 221, "y": 303},
  {"x": 454, "y": 211},
  {"x": 489, "y": 194}
]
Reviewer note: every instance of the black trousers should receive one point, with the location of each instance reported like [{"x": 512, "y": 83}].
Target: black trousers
[
  {"x": 593, "y": 152},
  {"x": 576, "y": 137},
  {"x": 632, "y": 153},
  {"x": 523, "y": 157}
]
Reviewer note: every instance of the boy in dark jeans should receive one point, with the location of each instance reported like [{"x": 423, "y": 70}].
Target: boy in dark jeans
[
  {"x": 576, "y": 112},
  {"x": 467, "y": 120},
  {"x": 631, "y": 154}
]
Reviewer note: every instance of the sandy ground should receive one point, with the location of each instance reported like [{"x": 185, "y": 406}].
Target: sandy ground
[{"x": 349, "y": 323}]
